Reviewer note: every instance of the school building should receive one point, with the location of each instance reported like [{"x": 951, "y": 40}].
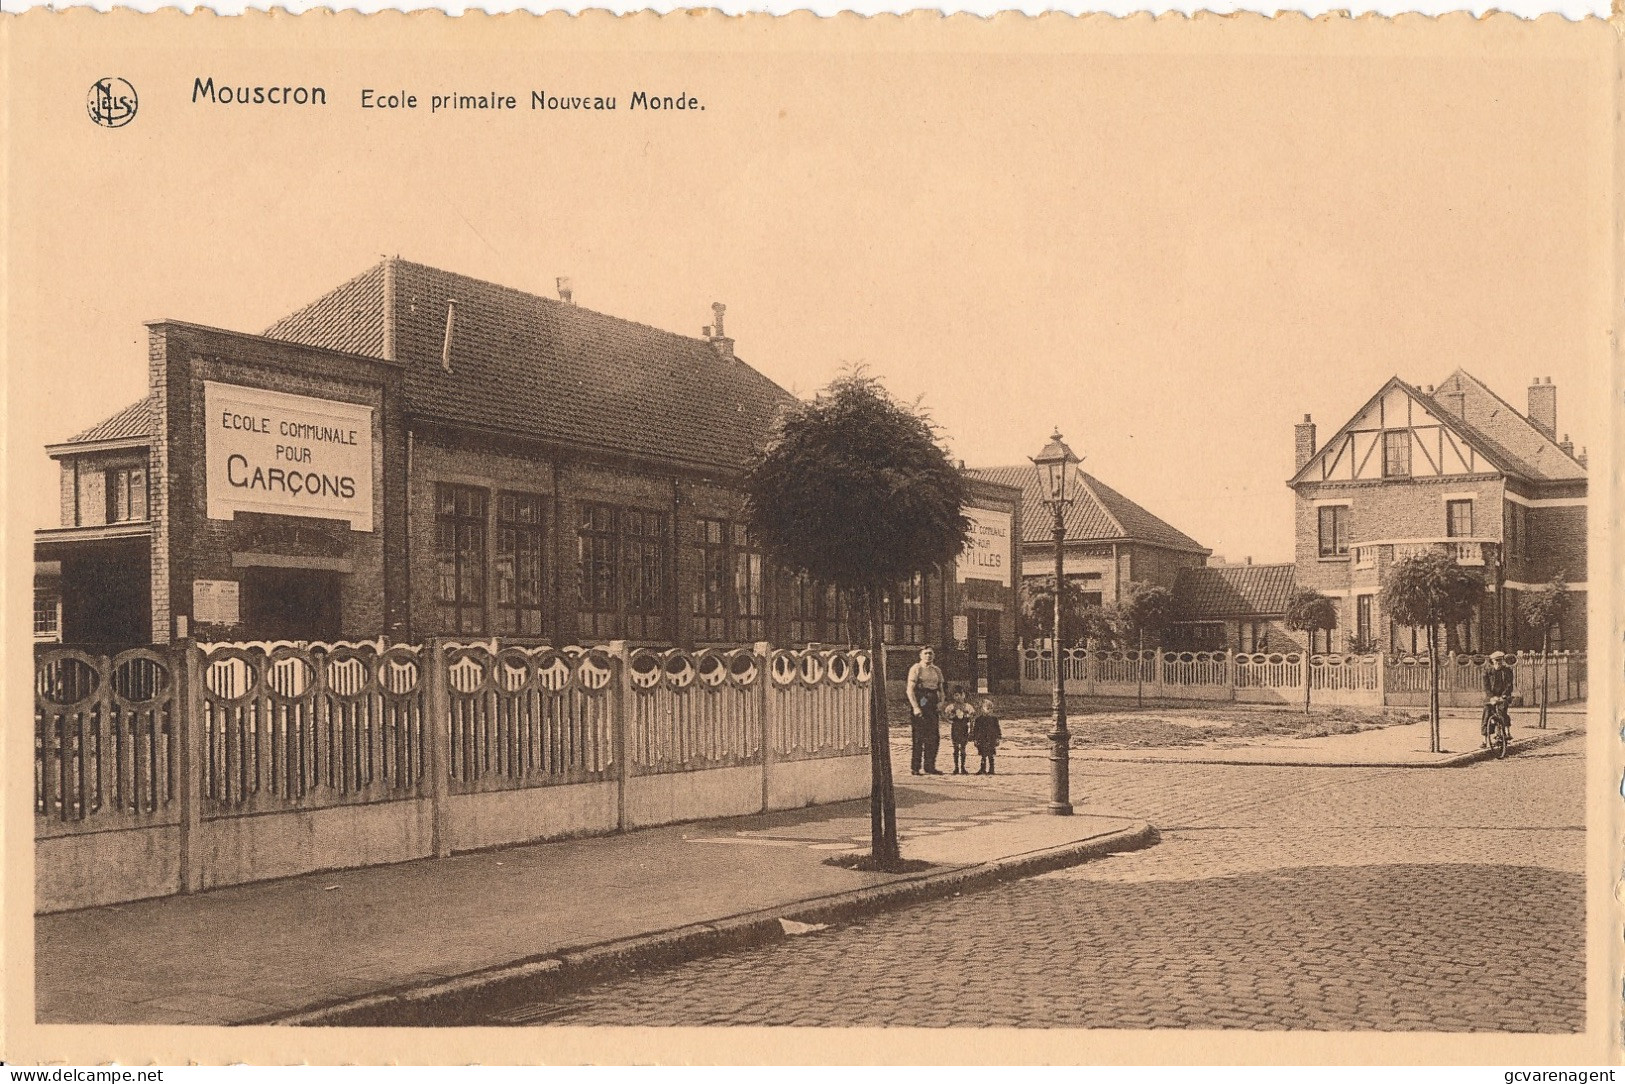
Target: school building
[{"x": 420, "y": 453}]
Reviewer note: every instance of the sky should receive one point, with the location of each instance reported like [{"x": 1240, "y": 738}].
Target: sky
[{"x": 1171, "y": 255}]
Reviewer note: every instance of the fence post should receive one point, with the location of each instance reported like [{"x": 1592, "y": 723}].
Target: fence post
[
  {"x": 1161, "y": 688},
  {"x": 1230, "y": 673},
  {"x": 188, "y": 728},
  {"x": 764, "y": 702},
  {"x": 437, "y": 727},
  {"x": 1382, "y": 680},
  {"x": 621, "y": 727}
]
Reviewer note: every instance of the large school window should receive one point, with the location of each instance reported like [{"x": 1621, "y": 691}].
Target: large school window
[
  {"x": 520, "y": 564},
  {"x": 817, "y": 612},
  {"x": 459, "y": 537},
  {"x": 625, "y": 590},
  {"x": 905, "y": 613},
  {"x": 1362, "y": 622},
  {"x": 729, "y": 598}
]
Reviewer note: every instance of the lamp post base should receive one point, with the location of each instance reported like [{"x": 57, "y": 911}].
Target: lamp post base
[{"x": 1060, "y": 809}]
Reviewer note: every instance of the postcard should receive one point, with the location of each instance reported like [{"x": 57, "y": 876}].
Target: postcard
[{"x": 504, "y": 498}]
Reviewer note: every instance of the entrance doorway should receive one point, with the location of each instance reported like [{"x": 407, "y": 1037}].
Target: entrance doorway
[
  {"x": 984, "y": 649},
  {"x": 290, "y": 604}
]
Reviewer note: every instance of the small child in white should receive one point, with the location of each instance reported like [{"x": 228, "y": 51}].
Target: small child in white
[{"x": 985, "y": 732}]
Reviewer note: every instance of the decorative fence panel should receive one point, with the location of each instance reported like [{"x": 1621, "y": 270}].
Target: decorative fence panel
[
  {"x": 1278, "y": 677},
  {"x": 197, "y": 765},
  {"x": 105, "y": 749},
  {"x": 693, "y": 710},
  {"x": 306, "y": 726},
  {"x": 820, "y": 703},
  {"x": 527, "y": 717}
]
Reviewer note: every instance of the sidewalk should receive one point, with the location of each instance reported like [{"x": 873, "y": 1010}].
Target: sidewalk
[
  {"x": 1401, "y": 746},
  {"x": 278, "y": 949}
]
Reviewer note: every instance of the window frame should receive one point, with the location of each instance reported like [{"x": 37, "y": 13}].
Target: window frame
[
  {"x": 516, "y": 617},
  {"x": 1389, "y": 466},
  {"x": 121, "y": 485},
  {"x": 468, "y": 535},
  {"x": 1339, "y": 535},
  {"x": 1451, "y": 507}
]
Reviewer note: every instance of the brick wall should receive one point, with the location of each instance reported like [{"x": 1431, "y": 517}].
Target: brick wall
[{"x": 189, "y": 546}]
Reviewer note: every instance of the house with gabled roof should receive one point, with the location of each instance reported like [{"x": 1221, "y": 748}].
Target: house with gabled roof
[
  {"x": 420, "y": 453},
  {"x": 1452, "y": 467},
  {"x": 1111, "y": 541},
  {"x": 1233, "y": 607}
]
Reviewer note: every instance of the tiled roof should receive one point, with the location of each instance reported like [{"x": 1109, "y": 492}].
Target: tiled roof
[
  {"x": 538, "y": 367},
  {"x": 349, "y": 318},
  {"x": 1497, "y": 429},
  {"x": 134, "y": 420},
  {"x": 1099, "y": 513},
  {"x": 1233, "y": 591}
]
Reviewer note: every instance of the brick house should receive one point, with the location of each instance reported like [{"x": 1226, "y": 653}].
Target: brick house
[
  {"x": 1451, "y": 467},
  {"x": 421, "y": 453},
  {"x": 1234, "y": 607},
  {"x": 1110, "y": 540}
]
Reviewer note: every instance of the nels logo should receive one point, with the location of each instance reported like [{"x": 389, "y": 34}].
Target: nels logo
[{"x": 111, "y": 102}]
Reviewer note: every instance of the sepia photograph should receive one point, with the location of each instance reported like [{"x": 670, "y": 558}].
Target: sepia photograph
[{"x": 565, "y": 541}]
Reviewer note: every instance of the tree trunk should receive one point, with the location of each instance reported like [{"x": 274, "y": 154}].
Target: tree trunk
[
  {"x": 1309, "y": 651},
  {"x": 882, "y": 799},
  {"x": 1545, "y": 673},
  {"x": 1433, "y": 687},
  {"x": 1139, "y": 673}
]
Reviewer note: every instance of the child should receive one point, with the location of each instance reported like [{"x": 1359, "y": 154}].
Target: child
[
  {"x": 986, "y": 731},
  {"x": 960, "y": 714}
]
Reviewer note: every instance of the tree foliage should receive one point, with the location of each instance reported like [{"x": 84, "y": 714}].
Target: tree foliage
[
  {"x": 1310, "y": 611},
  {"x": 1542, "y": 609},
  {"x": 855, "y": 490},
  {"x": 1084, "y": 621},
  {"x": 1430, "y": 589},
  {"x": 1147, "y": 609}
]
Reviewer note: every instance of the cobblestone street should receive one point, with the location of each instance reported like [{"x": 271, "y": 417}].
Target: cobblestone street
[{"x": 1389, "y": 899}]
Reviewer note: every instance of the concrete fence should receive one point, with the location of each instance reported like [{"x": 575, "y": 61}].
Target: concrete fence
[
  {"x": 1278, "y": 677},
  {"x": 170, "y": 770}
]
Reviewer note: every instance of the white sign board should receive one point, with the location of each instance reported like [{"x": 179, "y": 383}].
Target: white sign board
[
  {"x": 287, "y": 455},
  {"x": 214, "y": 602},
  {"x": 987, "y": 553},
  {"x": 961, "y": 628}
]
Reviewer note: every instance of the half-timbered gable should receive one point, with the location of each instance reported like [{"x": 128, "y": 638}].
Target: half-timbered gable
[{"x": 1452, "y": 467}]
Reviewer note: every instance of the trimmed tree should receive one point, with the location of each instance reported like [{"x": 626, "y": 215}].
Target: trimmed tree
[
  {"x": 1038, "y": 606},
  {"x": 1146, "y": 609},
  {"x": 1431, "y": 590},
  {"x": 1310, "y": 612},
  {"x": 1542, "y": 610},
  {"x": 853, "y": 489}
]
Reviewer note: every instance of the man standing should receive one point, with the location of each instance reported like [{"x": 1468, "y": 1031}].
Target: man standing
[{"x": 925, "y": 696}]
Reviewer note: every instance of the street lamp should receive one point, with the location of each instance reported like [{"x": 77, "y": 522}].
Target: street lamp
[{"x": 1056, "y": 465}]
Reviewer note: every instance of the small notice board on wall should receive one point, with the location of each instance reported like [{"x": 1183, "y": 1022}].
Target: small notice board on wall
[{"x": 215, "y": 602}]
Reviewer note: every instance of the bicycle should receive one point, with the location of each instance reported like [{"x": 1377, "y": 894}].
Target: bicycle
[{"x": 1497, "y": 726}]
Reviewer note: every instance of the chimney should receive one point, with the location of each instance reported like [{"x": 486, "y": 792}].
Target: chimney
[
  {"x": 1543, "y": 407},
  {"x": 1304, "y": 434},
  {"x": 1247, "y": 560},
  {"x": 445, "y": 347},
  {"x": 1567, "y": 445},
  {"x": 1581, "y": 458},
  {"x": 566, "y": 294},
  {"x": 723, "y": 345}
]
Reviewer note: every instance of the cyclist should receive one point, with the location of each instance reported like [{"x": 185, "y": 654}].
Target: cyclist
[{"x": 1498, "y": 683}]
